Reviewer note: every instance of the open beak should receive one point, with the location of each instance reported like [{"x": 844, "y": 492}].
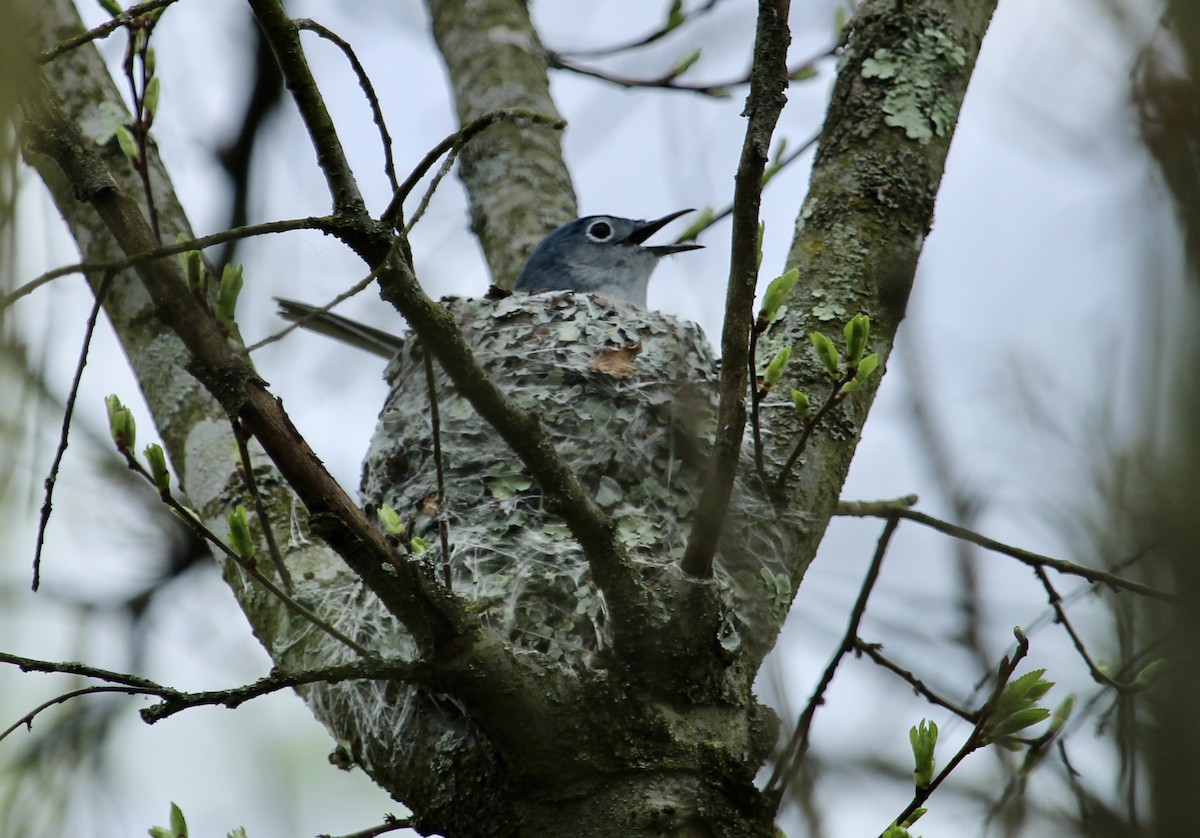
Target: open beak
[{"x": 648, "y": 229}]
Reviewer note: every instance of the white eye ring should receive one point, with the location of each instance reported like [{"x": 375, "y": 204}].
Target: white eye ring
[{"x": 599, "y": 231}]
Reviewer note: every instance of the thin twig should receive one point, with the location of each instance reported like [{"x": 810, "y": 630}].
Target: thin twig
[
  {"x": 364, "y": 81},
  {"x": 789, "y": 760},
  {"x": 175, "y": 701},
  {"x": 887, "y": 509},
  {"x": 646, "y": 40},
  {"x": 102, "y": 31},
  {"x": 670, "y": 79},
  {"x": 260, "y": 508},
  {"x": 871, "y": 650},
  {"x": 68, "y": 411},
  {"x": 435, "y": 421},
  {"x": 26, "y": 721},
  {"x": 390, "y": 824},
  {"x": 763, "y": 105},
  {"x": 1060, "y": 617},
  {"x": 456, "y": 141},
  {"x": 322, "y": 223}
]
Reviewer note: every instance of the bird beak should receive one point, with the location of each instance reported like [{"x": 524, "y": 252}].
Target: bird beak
[{"x": 640, "y": 234}]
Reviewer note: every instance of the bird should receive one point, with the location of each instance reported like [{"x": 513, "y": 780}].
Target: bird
[{"x": 597, "y": 254}]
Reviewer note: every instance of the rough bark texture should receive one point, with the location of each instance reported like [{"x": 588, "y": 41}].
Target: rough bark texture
[{"x": 508, "y": 741}]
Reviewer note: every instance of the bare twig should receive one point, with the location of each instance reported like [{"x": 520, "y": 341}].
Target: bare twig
[
  {"x": 102, "y": 31},
  {"x": 364, "y": 81},
  {"x": 763, "y": 106},
  {"x": 888, "y": 509},
  {"x": 324, "y": 224},
  {"x": 872, "y": 650},
  {"x": 789, "y": 761},
  {"x": 657, "y": 35},
  {"x": 1060, "y": 617},
  {"x": 435, "y": 421},
  {"x": 68, "y": 411},
  {"x": 260, "y": 509},
  {"x": 391, "y": 823}
]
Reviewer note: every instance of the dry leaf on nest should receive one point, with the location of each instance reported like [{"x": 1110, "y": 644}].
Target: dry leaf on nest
[{"x": 617, "y": 362}]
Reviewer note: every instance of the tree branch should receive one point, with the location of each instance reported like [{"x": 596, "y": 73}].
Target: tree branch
[{"x": 768, "y": 81}]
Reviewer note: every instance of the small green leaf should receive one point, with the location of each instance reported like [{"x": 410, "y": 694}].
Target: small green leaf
[
  {"x": 857, "y": 332},
  {"x": 121, "y": 424},
  {"x": 923, "y": 739},
  {"x": 389, "y": 519},
  {"x": 239, "y": 533},
  {"x": 808, "y": 71},
  {"x": 419, "y": 545},
  {"x": 158, "y": 467},
  {"x": 685, "y": 63},
  {"x": 775, "y": 369},
  {"x": 762, "y": 229},
  {"x": 227, "y": 297},
  {"x": 675, "y": 16},
  {"x": 826, "y": 351},
  {"x": 1062, "y": 713},
  {"x": 151, "y": 58},
  {"x": 111, "y": 6},
  {"x": 178, "y": 824},
  {"x": 801, "y": 403},
  {"x": 777, "y": 294},
  {"x": 128, "y": 144},
  {"x": 1017, "y": 722},
  {"x": 1149, "y": 673},
  {"x": 193, "y": 263},
  {"x": 150, "y": 100}
]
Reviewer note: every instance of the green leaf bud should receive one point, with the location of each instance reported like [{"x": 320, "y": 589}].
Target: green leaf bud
[
  {"x": 777, "y": 294},
  {"x": 239, "y": 533},
  {"x": 857, "y": 331},
  {"x": 826, "y": 351},
  {"x": 775, "y": 368},
  {"x": 389, "y": 519},
  {"x": 158, "y": 468},
  {"x": 801, "y": 403}
]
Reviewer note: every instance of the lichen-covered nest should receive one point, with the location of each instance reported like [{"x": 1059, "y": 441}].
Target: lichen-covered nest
[{"x": 629, "y": 398}]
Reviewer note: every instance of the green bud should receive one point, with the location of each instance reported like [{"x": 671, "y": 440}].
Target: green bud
[
  {"x": 808, "y": 71},
  {"x": 193, "y": 263},
  {"x": 178, "y": 824},
  {"x": 158, "y": 467},
  {"x": 1061, "y": 713},
  {"x": 777, "y": 294},
  {"x": 389, "y": 519},
  {"x": 150, "y": 100},
  {"x": 419, "y": 545},
  {"x": 865, "y": 367},
  {"x": 151, "y": 58},
  {"x": 826, "y": 351},
  {"x": 675, "y": 16},
  {"x": 857, "y": 331},
  {"x": 111, "y": 6},
  {"x": 239, "y": 533},
  {"x": 685, "y": 63},
  {"x": 762, "y": 229},
  {"x": 923, "y": 739},
  {"x": 1149, "y": 673},
  {"x": 775, "y": 368},
  {"x": 802, "y": 405},
  {"x": 121, "y": 424},
  {"x": 127, "y": 143},
  {"x": 227, "y": 297}
]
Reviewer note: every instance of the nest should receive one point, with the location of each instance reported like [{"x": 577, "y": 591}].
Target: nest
[{"x": 629, "y": 398}]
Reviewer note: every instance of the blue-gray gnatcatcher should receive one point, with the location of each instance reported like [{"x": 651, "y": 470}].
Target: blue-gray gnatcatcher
[{"x": 599, "y": 254}]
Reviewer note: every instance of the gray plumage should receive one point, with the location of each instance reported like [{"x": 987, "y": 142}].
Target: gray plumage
[{"x": 599, "y": 254}]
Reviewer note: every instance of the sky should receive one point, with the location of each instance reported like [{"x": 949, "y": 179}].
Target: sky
[{"x": 1023, "y": 331}]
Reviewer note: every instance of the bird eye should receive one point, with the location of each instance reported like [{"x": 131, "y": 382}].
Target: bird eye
[{"x": 600, "y": 231}]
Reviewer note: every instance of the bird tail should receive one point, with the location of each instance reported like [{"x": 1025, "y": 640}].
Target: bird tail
[{"x": 351, "y": 332}]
